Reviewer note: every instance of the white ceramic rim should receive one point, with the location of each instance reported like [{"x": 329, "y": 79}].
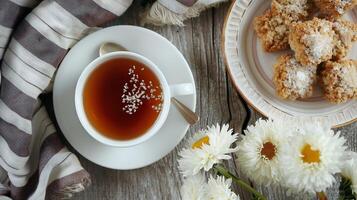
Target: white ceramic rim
[
  {"x": 230, "y": 37},
  {"x": 80, "y": 108}
]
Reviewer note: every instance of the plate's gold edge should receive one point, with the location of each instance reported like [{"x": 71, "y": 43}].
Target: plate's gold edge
[
  {"x": 223, "y": 49},
  {"x": 345, "y": 124},
  {"x": 223, "y": 39}
]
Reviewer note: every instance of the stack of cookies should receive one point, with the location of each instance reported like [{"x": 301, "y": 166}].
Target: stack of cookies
[{"x": 320, "y": 39}]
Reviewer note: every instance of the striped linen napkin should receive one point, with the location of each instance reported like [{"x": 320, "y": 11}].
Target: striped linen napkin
[
  {"x": 35, "y": 163},
  {"x": 35, "y": 36}
]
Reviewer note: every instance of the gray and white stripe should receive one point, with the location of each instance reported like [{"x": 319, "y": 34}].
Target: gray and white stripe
[
  {"x": 37, "y": 162},
  {"x": 11, "y": 12},
  {"x": 26, "y": 3},
  {"x": 4, "y": 35}
]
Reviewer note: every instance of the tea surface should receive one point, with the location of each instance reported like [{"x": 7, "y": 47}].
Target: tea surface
[{"x": 122, "y": 98}]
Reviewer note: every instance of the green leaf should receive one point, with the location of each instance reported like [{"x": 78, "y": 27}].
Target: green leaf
[{"x": 345, "y": 189}]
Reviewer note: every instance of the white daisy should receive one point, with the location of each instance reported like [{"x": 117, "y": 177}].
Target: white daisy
[
  {"x": 311, "y": 158},
  {"x": 194, "y": 188},
  {"x": 260, "y": 150},
  {"x": 219, "y": 189},
  {"x": 209, "y": 147},
  {"x": 198, "y": 139},
  {"x": 349, "y": 171}
]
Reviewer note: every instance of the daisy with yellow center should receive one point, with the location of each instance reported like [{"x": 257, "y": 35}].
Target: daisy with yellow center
[
  {"x": 260, "y": 151},
  {"x": 200, "y": 142},
  {"x": 206, "y": 148},
  {"x": 311, "y": 158}
]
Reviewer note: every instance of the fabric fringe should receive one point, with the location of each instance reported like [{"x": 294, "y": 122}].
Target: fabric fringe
[
  {"x": 159, "y": 15},
  {"x": 68, "y": 191}
]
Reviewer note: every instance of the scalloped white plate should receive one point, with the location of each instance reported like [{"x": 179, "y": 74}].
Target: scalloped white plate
[{"x": 251, "y": 70}]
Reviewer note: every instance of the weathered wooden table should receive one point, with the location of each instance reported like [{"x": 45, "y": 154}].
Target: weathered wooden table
[{"x": 217, "y": 102}]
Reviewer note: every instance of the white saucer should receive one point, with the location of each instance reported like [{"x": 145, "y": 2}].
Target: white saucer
[{"x": 139, "y": 40}]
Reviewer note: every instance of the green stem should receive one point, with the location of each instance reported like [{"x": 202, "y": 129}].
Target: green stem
[{"x": 241, "y": 183}]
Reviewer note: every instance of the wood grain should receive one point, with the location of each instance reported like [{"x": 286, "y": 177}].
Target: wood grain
[{"x": 217, "y": 102}]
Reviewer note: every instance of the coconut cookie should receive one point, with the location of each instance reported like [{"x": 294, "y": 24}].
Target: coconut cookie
[
  {"x": 344, "y": 26},
  {"x": 346, "y": 33},
  {"x": 293, "y": 80},
  {"x": 295, "y": 10},
  {"x": 339, "y": 80},
  {"x": 312, "y": 41},
  {"x": 272, "y": 31},
  {"x": 334, "y": 8}
]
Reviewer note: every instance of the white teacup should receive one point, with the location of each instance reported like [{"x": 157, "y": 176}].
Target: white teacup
[{"x": 168, "y": 92}]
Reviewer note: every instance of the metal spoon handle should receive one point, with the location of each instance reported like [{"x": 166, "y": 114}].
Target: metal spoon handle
[{"x": 186, "y": 112}]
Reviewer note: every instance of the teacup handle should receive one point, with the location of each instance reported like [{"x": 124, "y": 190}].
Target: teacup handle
[{"x": 181, "y": 89}]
